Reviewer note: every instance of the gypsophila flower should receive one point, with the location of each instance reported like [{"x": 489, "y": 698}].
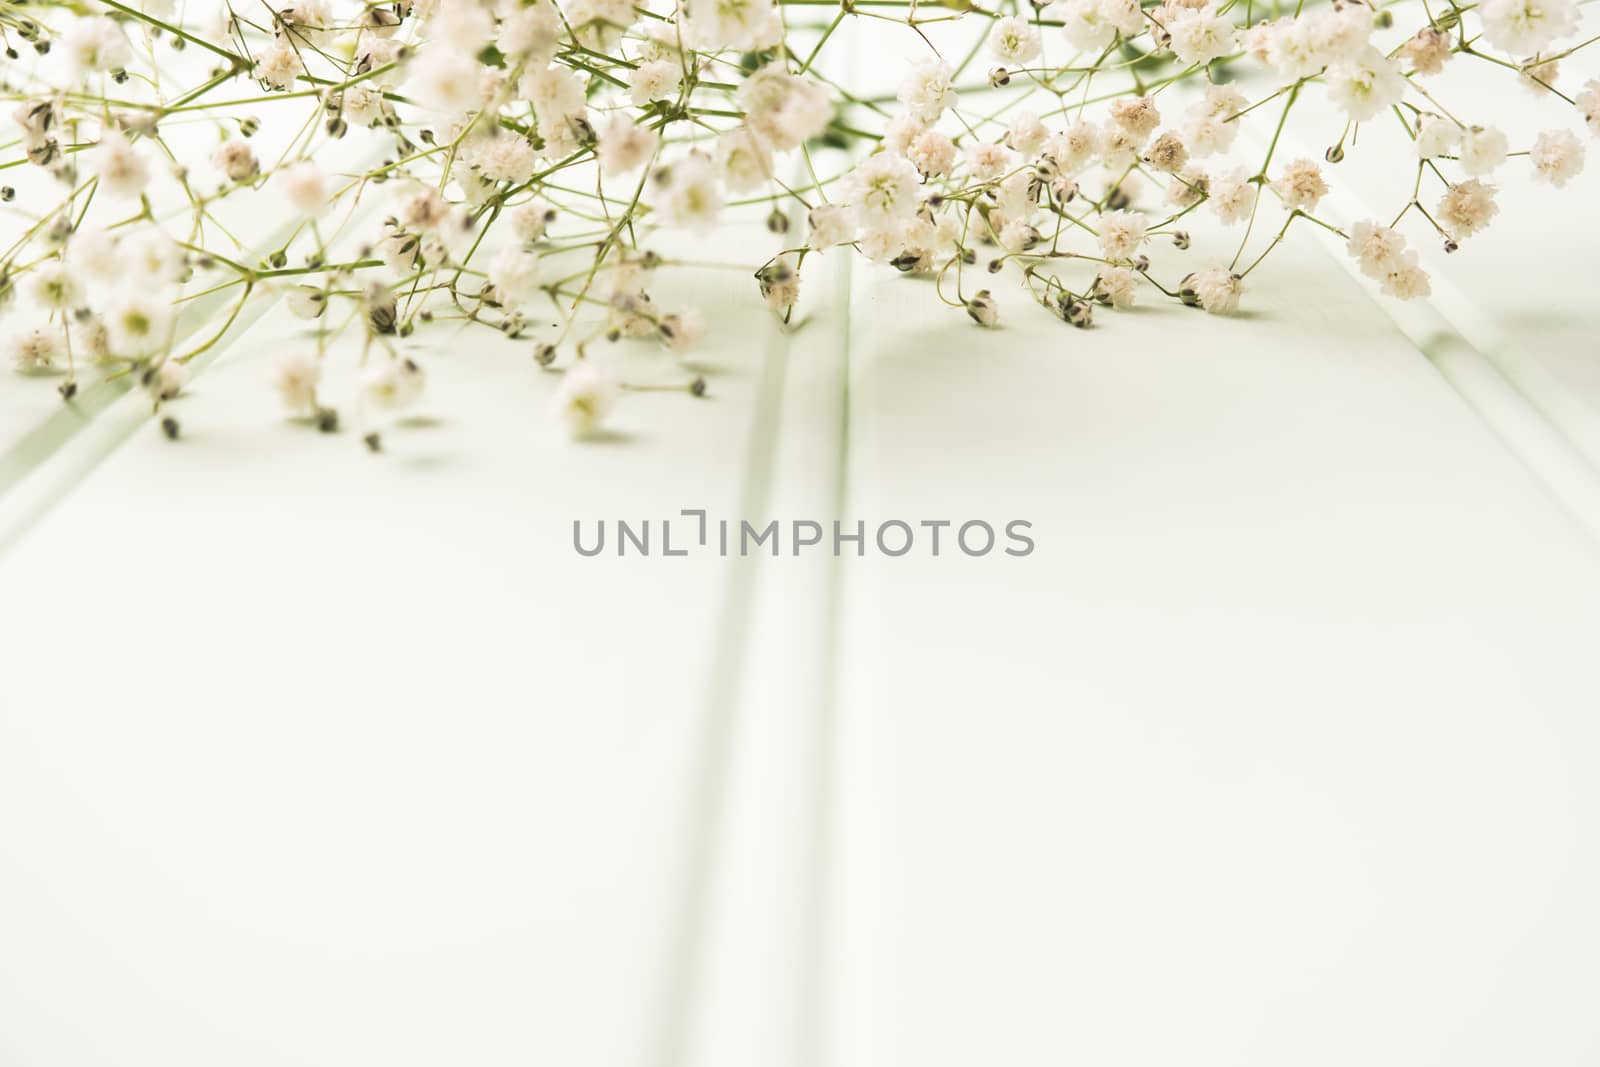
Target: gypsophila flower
[
  {"x": 1588, "y": 104},
  {"x": 37, "y": 348},
  {"x": 1427, "y": 50},
  {"x": 1482, "y": 150},
  {"x": 1200, "y": 35},
  {"x": 585, "y": 398},
  {"x": 884, "y": 188},
  {"x": 95, "y": 44},
  {"x": 1526, "y": 27},
  {"x": 1301, "y": 185},
  {"x": 655, "y": 80},
  {"x": 934, "y": 154},
  {"x": 1366, "y": 84},
  {"x": 1437, "y": 137},
  {"x": 1093, "y": 24},
  {"x": 1014, "y": 40},
  {"x": 927, "y": 91},
  {"x": 394, "y": 384},
  {"x": 237, "y": 160},
  {"x": 306, "y": 188},
  {"x": 1232, "y": 196},
  {"x": 1207, "y": 129},
  {"x": 121, "y": 168},
  {"x": 1216, "y": 288},
  {"x": 278, "y": 66},
  {"x": 1467, "y": 207},
  {"x": 1403, "y": 279},
  {"x": 1121, "y": 234},
  {"x": 55, "y": 287},
  {"x": 515, "y": 275},
  {"x": 1557, "y": 157},
  {"x": 691, "y": 194},
  {"x": 139, "y": 324},
  {"x": 624, "y": 146},
  {"x": 296, "y": 376},
  {"x": 831, "y": 224},
  {"x": 1115, "y": 286},
  {"x": 1375, "y": 247}
]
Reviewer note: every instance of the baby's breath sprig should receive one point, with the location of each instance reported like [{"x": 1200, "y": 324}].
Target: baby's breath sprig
[{"x": 528, "y": 166}]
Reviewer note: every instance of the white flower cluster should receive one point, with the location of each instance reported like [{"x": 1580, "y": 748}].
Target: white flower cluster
[{"x": 538, "y": 160}]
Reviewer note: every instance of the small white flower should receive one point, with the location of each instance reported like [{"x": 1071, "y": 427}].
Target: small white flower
[
  {"x": 1467, "y": 207},
  {"x": 393, "y": 384},
  {"x": 447, "y": 82},
  {"x": 507, "y": 158},
  {"x": 95, "y": 44},
  {"x": 926, "y": 91},
  {"x": 1027, "y": 133},
  {"x": 1138, "y": 115},
  {"x": 36, "y": 348},
  {"x": 529, "y": 220},
  {"x": 1437, "y": 137},
  {"x": 237, "y": 160},
  {"x": 515, "y": 275},
  {"x": 306, "y": 188},
  {"x": 691, "y": 196},
  {"x": 278, "y": 65},
  {"x": 783, "y": 109},
  {"x": 933, "y": 153},
  {"x": 422, "y": 208},
  {"x": 1366, "y": 85},
  {"x": 121, "y": 168},
  {"x": 1074, "y": 148},
  {"x": 296, "y": 375},
  {"x": 94, "y": 252},
  {"x": 55, "y": 287},
  {"x": 988, "y": 161},
  {"x": 743, "y": 160},
  {"x": 1200, "y": 35},
  {"x": 1588, "y": 102},
  {"x": 1216, "y": 288},
  {"x": 1483, "y": 149},
  {"x": 884, "y": 188},
  {"x": 1403, "y": 278},
  {"x": 682, "y": 330},
  {"x": 624, "y": 146},
  {"x": 461, "y": 26},
  {"x": 1206, "y": 129},
  {"x": 831, "y": 224},
  {"x": 139, "y": 324},
  {"x": 1557, "y": 157},
  {"x": 1301, "y": 186},
  {"x": 656, "y": 80},
  {"x": 1121, "y": 234},
  {"x": 1233, "y": 196},
  {"x": 1525, "y": 27},
  {"x": 1013, "y": 40},
  {"x": 1428, "y": 50},
  {"x": 1093, "y": 24},
  {"x": 1116, "y": 286},
  {"x": 530, "y": 32},
  {"x": 743, "y": 24},
  {"x": 167, "y": 379},
  {"x": 1375, "y": 247},
  {"x": 585, "y": 397}
]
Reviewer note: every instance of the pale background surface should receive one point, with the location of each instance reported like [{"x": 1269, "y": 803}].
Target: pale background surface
[{"x": 1275, "y": 752}]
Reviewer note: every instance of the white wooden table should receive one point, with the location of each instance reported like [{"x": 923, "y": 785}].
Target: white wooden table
[{"x": 1277, "y": 750}]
